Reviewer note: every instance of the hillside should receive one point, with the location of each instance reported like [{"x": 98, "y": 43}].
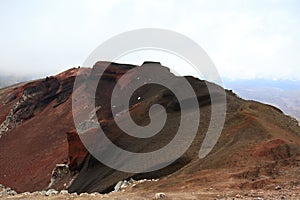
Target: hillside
[
  {"x": 283, "y": 94},
  {"x": 259, "y": 147}
]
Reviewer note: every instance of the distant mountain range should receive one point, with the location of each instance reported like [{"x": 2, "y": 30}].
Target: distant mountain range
[
  {"x": 284, "y": 94},
  {"x": 7, "y": 80}
]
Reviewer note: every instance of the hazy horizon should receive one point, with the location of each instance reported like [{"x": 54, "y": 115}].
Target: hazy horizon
[
  {"x": 245, "y": 39},
  {"x": 33, "y": 76}
]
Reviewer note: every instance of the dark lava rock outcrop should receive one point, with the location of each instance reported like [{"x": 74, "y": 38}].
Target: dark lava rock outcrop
[{"x": 259, "y": 145}]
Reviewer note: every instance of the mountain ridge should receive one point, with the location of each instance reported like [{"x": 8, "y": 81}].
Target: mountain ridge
[{"x": 39, "y": 133}]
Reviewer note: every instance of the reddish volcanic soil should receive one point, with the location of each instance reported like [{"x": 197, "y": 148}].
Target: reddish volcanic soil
[{"x": 259, "y": 147}]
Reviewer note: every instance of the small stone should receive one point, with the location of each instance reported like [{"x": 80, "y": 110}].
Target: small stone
[
  {"x": 12, "y": 193},
  {"x": 95, "y": 194},
  {"x": 118, "y": 186},
  {"x": 51, "y": 192},
  {"x": 278, "y": 188},
  {"x": 160, "y": 195},
  {"x": 4, "y": 193},
  {"x": 34, "y": 193},
  {"x": 64, "y": 192},
  {"x": 84, "y": 194},
  {"x": 131, "y": 180},
  {"x": 125, "y": 184}
]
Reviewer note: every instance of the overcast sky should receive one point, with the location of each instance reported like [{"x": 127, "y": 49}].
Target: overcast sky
[{"x": 245, "y": 39}]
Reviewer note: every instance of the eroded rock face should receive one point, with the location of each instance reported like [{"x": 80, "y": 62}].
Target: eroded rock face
[
  {"x": 62, "y": 177},
  {"x": 35, "y": 119},
  {"x": 77, "y": 152},
  {"x": 34, "y": 97}
]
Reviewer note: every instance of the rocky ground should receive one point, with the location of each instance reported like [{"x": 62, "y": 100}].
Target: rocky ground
[{"x": 129, "y": 190}]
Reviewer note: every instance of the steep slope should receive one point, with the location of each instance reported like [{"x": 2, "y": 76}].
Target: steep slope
[
  {"x": 35, "y": 118},
  {"x": 259, "y": 145}
]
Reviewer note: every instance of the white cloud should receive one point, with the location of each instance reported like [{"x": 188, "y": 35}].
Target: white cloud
[{"x": 245, "y": 39}]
